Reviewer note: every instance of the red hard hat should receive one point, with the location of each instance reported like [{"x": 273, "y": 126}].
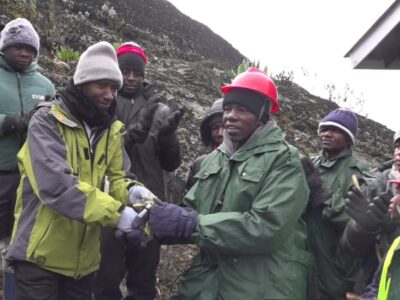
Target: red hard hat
[{"x": 255, "y": 80}]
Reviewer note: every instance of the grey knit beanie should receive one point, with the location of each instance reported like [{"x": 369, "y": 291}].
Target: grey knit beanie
[
  {"x": 19, "y": 31},
  {"x": 98, "y": 62}
]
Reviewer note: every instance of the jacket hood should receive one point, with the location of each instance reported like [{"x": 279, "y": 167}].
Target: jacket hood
[{"x": 205, "y": 130}]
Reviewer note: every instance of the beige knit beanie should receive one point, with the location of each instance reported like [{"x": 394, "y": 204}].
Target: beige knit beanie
[{"x": 98, "y": 62}]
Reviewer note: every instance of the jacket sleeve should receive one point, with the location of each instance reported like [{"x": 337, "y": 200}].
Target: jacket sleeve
[
  {"x": 118, "y": 170},
  {"x": 169, "y": 149},
  {"x": 354, "y": 239},
  {"x": 44, "y": 159},
  {"x": 193, "y": 169},
  {"x": 371, "y": 291},
  {"x": 272, "y": 218}
]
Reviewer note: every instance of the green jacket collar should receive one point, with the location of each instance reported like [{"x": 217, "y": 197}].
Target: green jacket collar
[
  {"x": 265, "y": 138},
  {"x": 329, "y": 163}
]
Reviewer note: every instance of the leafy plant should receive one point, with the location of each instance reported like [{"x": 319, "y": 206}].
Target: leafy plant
[
  {"x": 67, "y": 54},
  {"x": 284, "y": 76},
  {"x": 116, "y": 45},
  {"x": 245, "y": 65}
]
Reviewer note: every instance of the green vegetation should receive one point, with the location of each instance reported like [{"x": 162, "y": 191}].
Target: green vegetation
[
  {"x": 116, "y": 45},
  {"x": 245, "y": 65},
  {"x": 67, "y": 54}
]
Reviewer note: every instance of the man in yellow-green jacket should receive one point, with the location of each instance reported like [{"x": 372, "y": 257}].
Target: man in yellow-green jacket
[{"x": 74, "y": 180}]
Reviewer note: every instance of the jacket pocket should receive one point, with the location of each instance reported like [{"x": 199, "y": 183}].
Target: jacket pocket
[
  {"x": 210, "y": 170},
  {"x": 250, "y": 173}
]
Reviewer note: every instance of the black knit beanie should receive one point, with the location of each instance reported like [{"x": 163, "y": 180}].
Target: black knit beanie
[
  {"x": 131, "y": 61},
  {"x": 253, "y": 101}
]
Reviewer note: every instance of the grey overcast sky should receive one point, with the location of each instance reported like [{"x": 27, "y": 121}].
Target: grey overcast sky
[{"x": 310, "y": 38}]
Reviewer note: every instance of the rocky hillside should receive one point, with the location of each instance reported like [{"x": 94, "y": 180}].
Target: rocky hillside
[{"x": 189, "y": 63}]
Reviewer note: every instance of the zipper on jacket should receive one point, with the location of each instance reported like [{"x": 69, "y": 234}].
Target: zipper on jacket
[
  {"x": 21, "y": 102},
  {"x": 78, "y": 271}
]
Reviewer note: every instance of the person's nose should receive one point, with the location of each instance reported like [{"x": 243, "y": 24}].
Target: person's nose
[
  {"x": 230, "y": 115},
  {"x": 221, "y": 131},
  {"x": 110, "y": 94},
  {"x": 25, "y": 52}
]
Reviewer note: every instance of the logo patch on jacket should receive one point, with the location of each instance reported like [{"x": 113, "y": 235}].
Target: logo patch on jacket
[{"x": 38, "y": 97}]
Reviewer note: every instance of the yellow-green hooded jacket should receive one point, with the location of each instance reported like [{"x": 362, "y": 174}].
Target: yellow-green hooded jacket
[{"x": 60, "y": 203}]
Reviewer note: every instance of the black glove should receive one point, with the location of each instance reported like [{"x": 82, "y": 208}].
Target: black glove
[
  {"x": 138, "y": 131},
  {"x": 370, "y": 216},
  {"x": 168, "y": 220},
  {"x": 171, "y": 122},
  {"x": 15, "y": 124}
]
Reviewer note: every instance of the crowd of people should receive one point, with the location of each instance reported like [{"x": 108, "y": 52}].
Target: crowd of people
[{"x": 77, "y": 164}]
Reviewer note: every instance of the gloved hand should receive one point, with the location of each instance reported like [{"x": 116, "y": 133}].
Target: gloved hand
[
  {"x": 168, "y": 220},
  {"x": 137, "y": 238},
  {"x": 15, "y": 124},
  {"x": 125, "y": 223},
  {"x": 370, "y": 216},
  {"x": 171, "y": 122},
  {"x": 138, "y": 131},
  {"x": 138, "y": 193}
]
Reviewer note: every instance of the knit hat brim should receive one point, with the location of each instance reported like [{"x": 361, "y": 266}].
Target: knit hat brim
[
  {"x": 98, "y": 62},
  {"x": 253, "y": 101},
  {"x": 337, "y": 125}
]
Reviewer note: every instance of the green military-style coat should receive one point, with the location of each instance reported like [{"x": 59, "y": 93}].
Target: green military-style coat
[
  {"x": 251, "y": 237},
  {"x": 334, "y": 272}
]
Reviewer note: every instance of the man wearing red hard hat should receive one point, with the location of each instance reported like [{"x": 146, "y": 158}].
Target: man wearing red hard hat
[{"x": 244, "y": 209}]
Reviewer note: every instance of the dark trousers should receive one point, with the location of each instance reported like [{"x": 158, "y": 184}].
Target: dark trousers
[
  {"x": 117, "y": 259},
  {"x": 35, "y": 283},
  {"x": 8, "y": 192}
]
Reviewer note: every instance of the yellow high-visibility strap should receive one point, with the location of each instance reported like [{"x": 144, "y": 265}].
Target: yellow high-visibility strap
[{"x": 384, "y": 283}]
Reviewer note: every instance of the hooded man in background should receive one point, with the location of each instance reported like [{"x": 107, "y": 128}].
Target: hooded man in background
[
  {"x": 21, "y": 89},
  {"x": 212, "y": 135}
]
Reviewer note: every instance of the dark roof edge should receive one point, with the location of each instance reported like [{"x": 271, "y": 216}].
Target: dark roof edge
[{"x": 372, "y": 28}]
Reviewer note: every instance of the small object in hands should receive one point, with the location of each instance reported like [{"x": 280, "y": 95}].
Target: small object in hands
[
  {"x": 355, "y": 182},
  {"x": 143, "y": 208},
  {"x": 394, "y": 208}
]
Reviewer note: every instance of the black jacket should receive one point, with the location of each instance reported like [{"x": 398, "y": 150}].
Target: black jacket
[{"x": 156, "y": 154}]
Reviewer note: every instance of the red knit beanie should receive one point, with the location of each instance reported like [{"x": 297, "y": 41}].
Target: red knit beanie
[{"x": 131, "y": 57}]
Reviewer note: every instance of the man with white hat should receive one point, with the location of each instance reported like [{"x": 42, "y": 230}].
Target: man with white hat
[{"x": 74, "y": 179}]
